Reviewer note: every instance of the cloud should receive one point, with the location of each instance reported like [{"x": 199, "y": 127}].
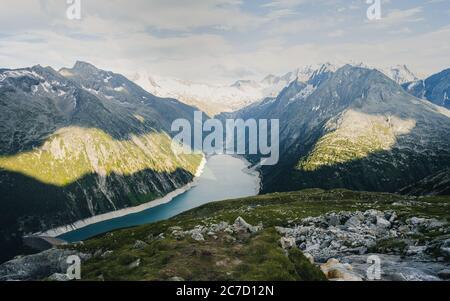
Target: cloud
[
  {"x": 336, "y": 33},
  {"x": 220, "y": 40},
  {"x": 397, "y": 17},
  {"x": 284, "y": 3}
]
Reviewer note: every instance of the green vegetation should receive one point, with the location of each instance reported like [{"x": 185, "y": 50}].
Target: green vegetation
[
  {"x": 352, "y": 141},
  {"x": 74, "y": 152},
  {"x": 256, "y": 256},
  {"x": 80, "y": 172}
]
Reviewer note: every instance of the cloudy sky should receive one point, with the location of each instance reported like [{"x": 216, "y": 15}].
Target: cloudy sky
[{"x": 224, "y": 40}]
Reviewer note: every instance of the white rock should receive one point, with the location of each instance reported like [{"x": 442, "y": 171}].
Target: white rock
[
  {"x": 415, "y": 250},
  {"x": 197, "y": 236},
  {"x": 241, "y": 224},
  {"x": 139, "y": 244},
  {"x": 287, "y": 242},
  {"x": 309, "y": 257},
  {"x": 383, "y": 223},
  {"x": 135, "y": 264}
]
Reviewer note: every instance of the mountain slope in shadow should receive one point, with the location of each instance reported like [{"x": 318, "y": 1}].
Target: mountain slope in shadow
[
  {"x": 82, "y": 142},
  {"x": 356, "y": 129},
  {"x": 435, "y": 88}
]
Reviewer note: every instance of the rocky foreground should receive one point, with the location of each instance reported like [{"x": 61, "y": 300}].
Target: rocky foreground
[
  {"x": 308, "y": 235},
  {"x": 349, "y": 243}
]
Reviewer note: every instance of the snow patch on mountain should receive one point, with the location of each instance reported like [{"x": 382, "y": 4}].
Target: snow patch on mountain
[
  {"x": 19, "y": 73},
  {"x": 303, "y": 94},
  {"x": 226, "y": 98},
  {"x": 400, "y": 74}
]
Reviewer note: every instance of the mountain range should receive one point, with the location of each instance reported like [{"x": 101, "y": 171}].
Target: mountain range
[
  {"x": 215, "y": 99},
  {"x": 354, "y": 128},
  {"x": 212, "y": 99},
  {"x": 81, "y": 142}
]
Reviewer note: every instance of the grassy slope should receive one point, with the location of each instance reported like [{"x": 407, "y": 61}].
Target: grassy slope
[
  {"x": 251, "y": 257},
  {"x": 73, "y": 153},
  {"x": 81, "y": 171}
]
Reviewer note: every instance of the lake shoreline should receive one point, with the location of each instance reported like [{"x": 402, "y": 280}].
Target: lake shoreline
[{"x": 56, "y": 232}]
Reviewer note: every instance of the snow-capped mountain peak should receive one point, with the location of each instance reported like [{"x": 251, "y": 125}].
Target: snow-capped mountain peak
[
  {"x": 215, "y": 99},
  {"x": 400, "y": 74}
]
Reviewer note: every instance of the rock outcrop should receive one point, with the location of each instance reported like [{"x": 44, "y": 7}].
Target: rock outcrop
[
  {"x": 338, "y": 239},
  {"x": 39, "y": 266}
]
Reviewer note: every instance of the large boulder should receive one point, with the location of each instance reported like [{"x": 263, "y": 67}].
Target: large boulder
[
  {"x": 336, "y": 271},
  {"x": 383, "y": 223},
  {"x": 445, "y": 248},
  {"x": 38, "y": 266},
  {"x": 139, "y": 245},
  {"x": 241, "y": 225},
  {"x": 287, "y": 242},
  {"x": 197, "y": 236}
]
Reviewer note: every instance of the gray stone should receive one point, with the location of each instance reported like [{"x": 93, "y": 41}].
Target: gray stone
[
  {"x": 445, "y": 248},
  {"x": 139, "y": 245},
  {"x": 241, "y": 224},
  {"x": 107, "y": 254},
  {"x": 98, "y": 253},
  {"x": 415, "y": 250},
  {"x": 175, "y": 228},
  {"x": 287, "y": 242},
  {"x": 59, "y": 277},
  {"x": 392, "y": 217},
  {"x": 353, "y": 222},
  {"x": 383, "y": 223},
  {"x": 38, "y": 266},
  {"x": 135, "y": 264},
  {"x": 435, "y": 224},
  {"x": 197, "y": 236},
  {"x": 228, "y": 230},
  {"x": 333, "y": 220},
  {"x": 416, "y": 221}
]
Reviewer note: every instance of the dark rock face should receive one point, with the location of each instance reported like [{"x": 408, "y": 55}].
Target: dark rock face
[
  {"x": 436, "y": 88},
  {"x": 42, "y": 243},
  {"x": 435, "y": 184},
  {"x": 94, "y": 117}
]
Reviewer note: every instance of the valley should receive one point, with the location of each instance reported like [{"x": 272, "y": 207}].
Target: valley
[
  {"x": 222, "y": 177},
  {"x": 280, "y": 236},
  {"x": 81, "y": 142},
  {"x": 90, "y": 160},
  {"x": 224, "y": 141}
]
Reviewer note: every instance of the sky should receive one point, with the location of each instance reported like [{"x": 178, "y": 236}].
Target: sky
[{"x": 221, "y": 41}]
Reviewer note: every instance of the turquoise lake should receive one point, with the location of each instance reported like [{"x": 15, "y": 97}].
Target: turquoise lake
[{"x": 224, "y": 177}]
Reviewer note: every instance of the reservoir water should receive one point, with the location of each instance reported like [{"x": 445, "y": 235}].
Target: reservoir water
[{"x": 224, "y": 177}]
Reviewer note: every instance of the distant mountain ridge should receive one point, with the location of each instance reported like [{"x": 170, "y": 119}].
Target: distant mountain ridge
[
  {"x": 354, "y": 129},
  {"x": 435, "y": 88},
  {"x": 214, "y": 99}
]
